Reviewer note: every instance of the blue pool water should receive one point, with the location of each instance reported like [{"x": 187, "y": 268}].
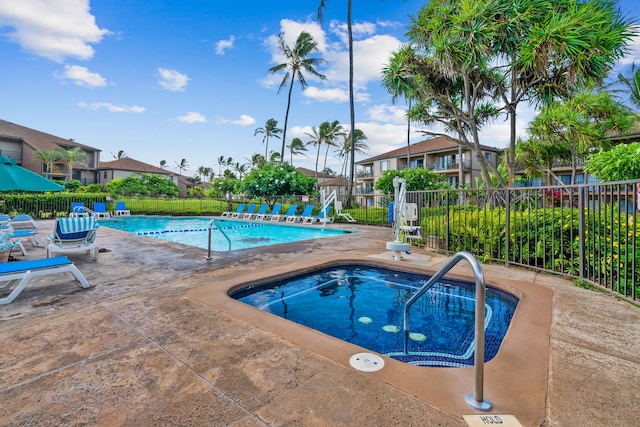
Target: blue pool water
[
  {"x": 194, "y": 231},
  {"x": 364, "y": 305}
]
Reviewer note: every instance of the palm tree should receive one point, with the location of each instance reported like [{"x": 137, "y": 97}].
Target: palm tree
[
  {"x": 298, "y": 60},
  {"x": 632, "y": 83},
  {"x": 345, "y": 150},
  {"x": 163, "y": 164},
  {"x": 297, "y": 147},
  {"x": 121, "y": 155},
  {"x": 203, "y": 172},
  {"x": 182, "y": 165},
  {"x": 49, "y": 158},
  {"x": 71, "y": 158},
  {"x": 269, "y": 130},
  {"x": 331, "y": 132},
  {"x": 398, "y": 79},
  {"x": 316, "y": 141},
  {"x": 352, "y": 113}
]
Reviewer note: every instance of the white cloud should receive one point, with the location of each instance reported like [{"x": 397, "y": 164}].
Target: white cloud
[
  {"x": 192, "y": 117},
  {"x": 335, "y": 94},
  {"x": 52, "y": 29},
  {"x": 172, "y": 80},
  {"x": 633, "y": 48},
  {"x": 223, "y": 45},
  {"x": 81, "y": 76},
  {"x": 111, "y": 107},
  {"x": 388, "y": 114},
  {"x": 244, "y": 120}
]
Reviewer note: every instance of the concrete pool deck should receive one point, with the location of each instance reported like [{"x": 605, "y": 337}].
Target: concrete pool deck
[{"x": 140, "y": 347}]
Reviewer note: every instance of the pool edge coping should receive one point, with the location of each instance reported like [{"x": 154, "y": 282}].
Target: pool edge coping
[{"x": 515, "y": 380}]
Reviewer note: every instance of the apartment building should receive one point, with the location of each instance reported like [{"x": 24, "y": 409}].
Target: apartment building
[
  {"x": 440, "y": 154},
  {"x": 20, "y": 143}
]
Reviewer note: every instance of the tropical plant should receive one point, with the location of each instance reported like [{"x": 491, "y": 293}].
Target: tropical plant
[
  {"x": 49, "y": 158},
  {"x": 276, "y": 179},
  {"x": 632, "y": 84},
  {"x": 163, "y": 164},
  {"x": 330, "y": 131},
  {"x": 72, "y": 158},
  {"x": 344, "y": 151},
  {"x": 416, "y": 179},
  {"x": 352, "y": 113},
  {"x": 298, "y": 63},
  {"x": 473, "y": 60},
  {"x": 182, "y": 165},
  {"x": 269, "y": 130},
  {"x": 620, "y": 163},
  {"x": 121, "y": 155},
  {"x": 297, "y": 147}
]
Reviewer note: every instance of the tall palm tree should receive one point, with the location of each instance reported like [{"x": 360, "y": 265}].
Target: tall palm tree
[
  {"x": 297, "y": 147},
  {"x": 298, "y": 61},
  {"x": 163, "y": 164},
  {"x": 632, "y": 83},
  {"x": 344, "y": 151},
  {"x": 72, "y": 158},
  {"x": 399, "y": 81},
  {"x": 352, "y": 113},
  {"x": 49, "y": 158},
  {"x": 182, "y": 165},
  {"x": 269, "y": 130},
  {"x": 316, "y": 141},
  {"x": 331, "y": 132}
]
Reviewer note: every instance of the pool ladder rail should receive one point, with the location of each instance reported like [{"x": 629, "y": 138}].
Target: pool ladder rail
[
  {"x": 475, "y": 399},
  {"x": 211, "y": 224}
]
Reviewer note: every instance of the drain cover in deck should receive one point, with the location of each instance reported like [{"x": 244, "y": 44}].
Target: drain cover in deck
[{"x": 366, "y": 362}]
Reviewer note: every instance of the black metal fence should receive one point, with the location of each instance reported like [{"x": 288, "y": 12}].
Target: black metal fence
[{"x": 587, "y": 232}]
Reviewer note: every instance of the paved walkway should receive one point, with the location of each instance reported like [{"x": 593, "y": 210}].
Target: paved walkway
[{"x": 136, "y": 350}]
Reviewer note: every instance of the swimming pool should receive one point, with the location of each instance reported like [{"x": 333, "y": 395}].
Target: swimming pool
[
  {"x": 364, "y": 305},
  {"x": 194, "y": 231}
]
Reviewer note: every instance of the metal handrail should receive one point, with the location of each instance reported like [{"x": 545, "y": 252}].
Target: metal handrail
[
  {"x": 475, "y": 399},
  {"x": 213, "y": 221}
]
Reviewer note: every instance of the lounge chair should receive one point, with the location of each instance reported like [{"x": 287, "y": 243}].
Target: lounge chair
[
  {"x": 22, "y": 221},
  {"x": 312, "y": 219},
  {"x": 239, "y": 209},
  {"x": 78, "y": 210},
  {"x": 100, "y": 210},
  {"x": 282, "y": 217},
  {"x": 305, "y": 213},
  {"x": 25, "y": 270},
  {"x": 17, "y": 236},
  {"x": 74, "y": 235},
  {"x": 250, "y": 212},
  {"x": 239, "y": 213},
  {"x": 121, "y": 209},
  {"x": 340, "y": 214},
  {"x": 261, "y": 212},
  {"x": 268, "y": 216}
]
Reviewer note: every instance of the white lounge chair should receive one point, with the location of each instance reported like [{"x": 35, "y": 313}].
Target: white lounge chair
[
  {"x": 74, "y": 235},
  {"x": 339, "y": 213},
  {"x": 23, "y": 271},
  {"x": 312, "y": 219},
  {"x": 23, "y": 221},
  {"x": 100, "y": 210},
  {"x": 249, "y": 213},
  {"x": 260, "y": 214},
  {"x": 239, "y": 209},
  {"x": 267, "y": 216}
]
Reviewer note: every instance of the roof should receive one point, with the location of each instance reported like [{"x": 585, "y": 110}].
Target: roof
[
  {"x": 309, "y": 172},
  {"x": 37, "y": 140},
  {"x": 439, "y": 143},
  {"x": 133, "y": 165}
]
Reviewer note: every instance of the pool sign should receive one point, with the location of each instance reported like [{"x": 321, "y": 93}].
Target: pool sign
[{"x": 491, "y": 420}]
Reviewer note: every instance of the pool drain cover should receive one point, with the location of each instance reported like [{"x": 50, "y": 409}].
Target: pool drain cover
[{"x": 366, "y": 362}]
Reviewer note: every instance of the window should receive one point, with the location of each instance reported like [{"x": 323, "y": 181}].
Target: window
[
  {"x": 488, "y": 156},
  {"x": 385, "y": 165},
  {"x": 416, "y": 164},
  {"x": 453, "y": 181}
]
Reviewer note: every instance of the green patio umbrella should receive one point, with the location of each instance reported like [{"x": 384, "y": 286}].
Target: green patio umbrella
[{"x": 17, "y": 178}]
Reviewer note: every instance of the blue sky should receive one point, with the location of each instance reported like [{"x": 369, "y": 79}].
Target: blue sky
[{"x": 167, "y": 80}]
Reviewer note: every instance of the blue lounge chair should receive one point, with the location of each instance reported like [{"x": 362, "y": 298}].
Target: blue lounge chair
[
  {"x": 100, "y": 210},
  {"x": 21, "y": 221},
  {"x": 77, "y": 210},
  {"x": 305, "y": 213},
  {"x": 121, "y": 209},
  {"x": 319, "y": 218},
  {"x": 239, "y": 209},
  {"x": 261, "y": 212},
  {"x": 274, "y": 211},
  {"x": 250, "y": 212},
  {"x": 283, "y": 217},
  {"x": 239, "y": 212},
  {"x": 25, "y": 270},
  {"x": 75, "y": 234}
]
